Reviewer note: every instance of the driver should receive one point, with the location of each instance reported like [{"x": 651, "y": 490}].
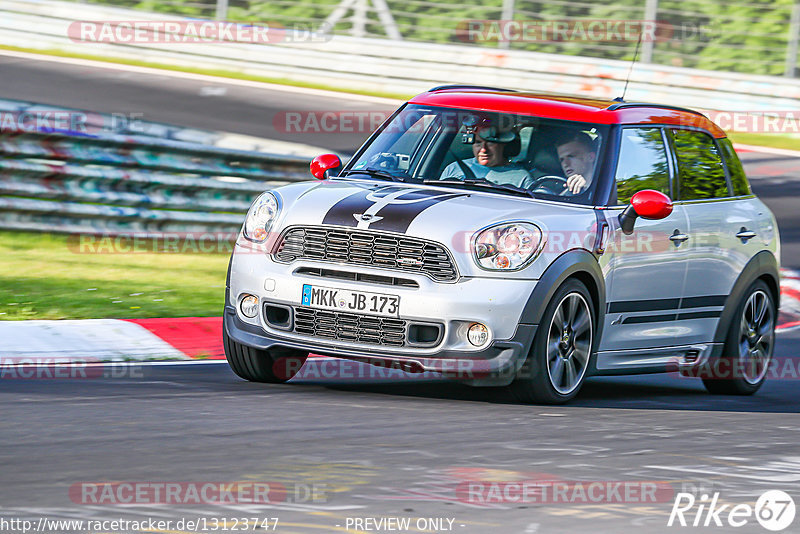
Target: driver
[
  {"x": 578, "y": 156},
  {"x": 491, "y": 148}
]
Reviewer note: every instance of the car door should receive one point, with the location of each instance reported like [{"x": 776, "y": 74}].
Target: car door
[
  {"x": 750, "y": 216},
  {"x": 647, "y": 268},
  {"x": 721, "y": 230}
]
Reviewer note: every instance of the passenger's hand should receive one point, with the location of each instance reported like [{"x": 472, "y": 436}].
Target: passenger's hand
[{"x": 575, "y": 184}]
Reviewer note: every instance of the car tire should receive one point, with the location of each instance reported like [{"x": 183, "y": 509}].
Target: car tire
[
  {"x": 749, "y": 346},
  {"x": 562, "y": 348},
  {"x": 255, "y": 365}
]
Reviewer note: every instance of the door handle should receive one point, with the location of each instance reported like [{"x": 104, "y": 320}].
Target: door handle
[
  {"x": 678, "y": 237},
  {"x": 745, "y": 234}
]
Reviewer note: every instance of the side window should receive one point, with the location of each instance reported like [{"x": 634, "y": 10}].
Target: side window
[
  {"x": 642, "y": 163},
  {"x": 738, "y": 178},
  {"x": 701, "y": 172}
]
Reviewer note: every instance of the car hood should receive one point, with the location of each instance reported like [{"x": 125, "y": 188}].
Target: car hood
[{"x": 446, "y": 215}]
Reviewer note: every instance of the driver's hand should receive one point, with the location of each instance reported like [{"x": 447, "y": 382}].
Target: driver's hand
[{"x": 575, "y": 184}]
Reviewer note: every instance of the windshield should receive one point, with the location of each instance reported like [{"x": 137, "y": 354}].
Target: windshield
[{"x": 515, "y": 154}]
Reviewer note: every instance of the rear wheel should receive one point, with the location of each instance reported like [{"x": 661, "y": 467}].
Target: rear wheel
[
  {"x": 255, "y": 365},
  {"x": 749, "y": 346},
  {"x": 556, "y": 366}
]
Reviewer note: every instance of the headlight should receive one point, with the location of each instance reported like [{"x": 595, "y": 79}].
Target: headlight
[
  {"x": 507, "y": 246},
  {"x": 260, "y": 216}
]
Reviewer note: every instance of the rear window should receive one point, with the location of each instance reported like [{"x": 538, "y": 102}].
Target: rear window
[
  {"x": 701, "y": 172},
  {"x": 738, "y": 177}
]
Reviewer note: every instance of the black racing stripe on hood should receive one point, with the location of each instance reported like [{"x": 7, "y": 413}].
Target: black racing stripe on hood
[
  {"x": 398, "y": 217},
  {"x": 395, "y": 216},
  {"x": 341, "y": 213}
]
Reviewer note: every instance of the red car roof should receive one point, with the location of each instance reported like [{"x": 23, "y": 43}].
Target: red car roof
[{"x": 567, "y": 108}]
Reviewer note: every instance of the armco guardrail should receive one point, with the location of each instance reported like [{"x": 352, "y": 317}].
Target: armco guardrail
[
  {"x": 134, "y": 124},
  {"x": 67, "y": 181},
  {"x": 117, "y": 123},
  {"x": 400, "y": 67}
]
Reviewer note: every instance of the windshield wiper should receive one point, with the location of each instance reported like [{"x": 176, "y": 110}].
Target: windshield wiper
[
  {"x": 378, "y": 173},
  {"x": 483, "y": 182}
]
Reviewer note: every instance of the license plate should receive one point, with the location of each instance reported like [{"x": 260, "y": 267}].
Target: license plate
[{"x": 343, "y": 300}]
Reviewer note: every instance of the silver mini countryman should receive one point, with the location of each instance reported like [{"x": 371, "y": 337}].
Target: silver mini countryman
[{"x": 511, "y": 239}]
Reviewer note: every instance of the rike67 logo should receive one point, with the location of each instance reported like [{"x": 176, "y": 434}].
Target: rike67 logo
[{"x": 774, "y": 510}]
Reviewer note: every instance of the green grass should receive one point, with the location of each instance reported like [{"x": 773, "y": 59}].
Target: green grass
[
  {"x": 49, "y": 276},
  {"x": 787, "y": 141}
]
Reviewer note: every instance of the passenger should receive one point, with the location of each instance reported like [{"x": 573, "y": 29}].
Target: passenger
[
  {"x": 492, "y": 150},
  {"x": 578, "y": 156}
]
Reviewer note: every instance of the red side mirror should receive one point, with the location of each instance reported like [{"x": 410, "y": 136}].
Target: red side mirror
[
  {"x": 325, "y": 166},
  {"x": 651, "y": 204}
]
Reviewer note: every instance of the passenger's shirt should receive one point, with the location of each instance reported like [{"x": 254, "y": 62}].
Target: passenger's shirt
[{"x": 513, "y": 173}]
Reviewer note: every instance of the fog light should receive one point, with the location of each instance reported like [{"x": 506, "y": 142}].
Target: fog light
[
  {"x": 249, "y": 306},
  {"x": 478, "y": 334}
]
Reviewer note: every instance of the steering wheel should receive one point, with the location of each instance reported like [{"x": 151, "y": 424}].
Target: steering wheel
[
  {"x": 384, "y": 161},
  {"x": 550, "y": 184}
]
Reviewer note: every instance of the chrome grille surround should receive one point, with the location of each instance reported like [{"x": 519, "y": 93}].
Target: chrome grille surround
[{"x": 368, "y": 248}]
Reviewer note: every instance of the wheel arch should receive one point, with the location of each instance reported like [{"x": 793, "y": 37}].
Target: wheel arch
[
  {"x": 576, "y": 264},
  {"x": 579, "y": 264},
  {"x": 774, "y": 286},
  {"x": 762, "y": 266}
]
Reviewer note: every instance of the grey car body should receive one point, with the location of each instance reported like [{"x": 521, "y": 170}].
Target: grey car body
[{"x": 662, "y": 298}]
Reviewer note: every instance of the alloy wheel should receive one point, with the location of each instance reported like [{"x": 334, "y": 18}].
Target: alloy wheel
[
  {"x": 756, "y": 337},
  {"x": 569, "y": 343}
]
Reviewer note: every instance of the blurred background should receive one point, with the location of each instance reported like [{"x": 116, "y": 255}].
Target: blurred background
[
  {"x": 134, "y": 136},
  {"x": 738, "y": 36}
]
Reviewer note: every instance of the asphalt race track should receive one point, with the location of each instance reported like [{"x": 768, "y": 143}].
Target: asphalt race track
[
  {"x": 391, "y": 449},
  {"x": 211, "y": 105},
  {"x": 441, "y": 454}
]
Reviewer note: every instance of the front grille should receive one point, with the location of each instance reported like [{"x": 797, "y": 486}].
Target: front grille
[
  {"x": 362, "y": 247},
  {"x": 350, "y": 327}
]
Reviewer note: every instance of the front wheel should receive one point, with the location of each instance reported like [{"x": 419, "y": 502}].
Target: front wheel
[
  {"x": 749, "y": 346},
  {"x": 269, "y": 366},
  {"x": 558, "y": 360}
]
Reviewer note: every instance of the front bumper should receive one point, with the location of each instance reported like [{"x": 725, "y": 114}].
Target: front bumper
[
  {"x": 495, "y": 302},
  {"x": 495, "y": 365}
]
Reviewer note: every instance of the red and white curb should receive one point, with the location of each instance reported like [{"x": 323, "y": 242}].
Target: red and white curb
[
  {"x": 189, "y": 338},
  {"x": 95, "y": 340},
  {"x": 789, "y": 316},
  {"x": 193, "y": 337},
  {"x": 767, "y": 150}
]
